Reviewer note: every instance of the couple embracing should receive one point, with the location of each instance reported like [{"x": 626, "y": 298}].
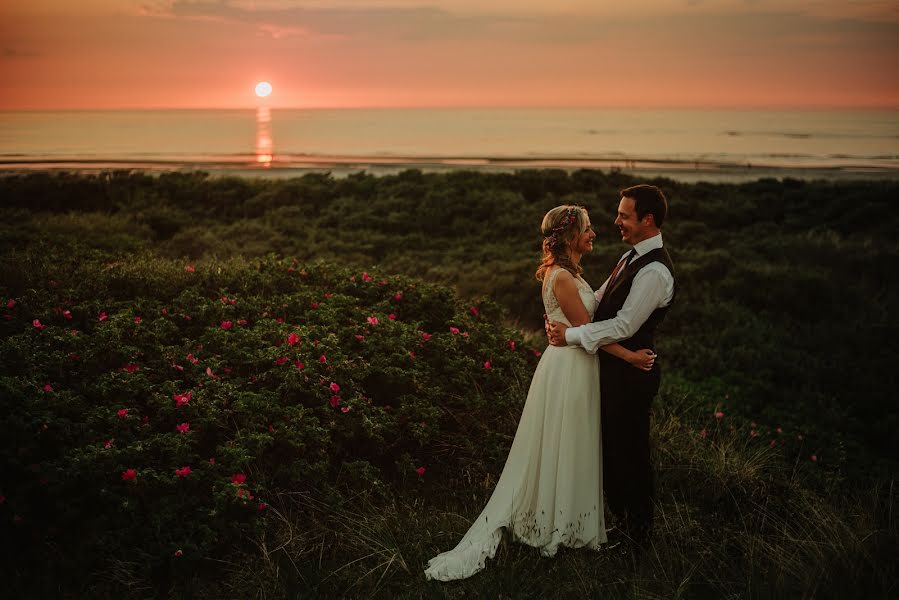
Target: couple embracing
[{"x": 585, "y": 424}]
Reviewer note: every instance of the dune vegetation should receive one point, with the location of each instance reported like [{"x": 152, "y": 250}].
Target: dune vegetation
[{"x": 308, "y": 387}]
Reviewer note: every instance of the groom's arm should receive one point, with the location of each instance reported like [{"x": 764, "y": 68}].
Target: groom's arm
[{"x": 650, "y": 290}]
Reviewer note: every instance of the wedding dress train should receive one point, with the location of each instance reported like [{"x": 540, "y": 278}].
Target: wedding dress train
[{"x": 550, "y": 491}]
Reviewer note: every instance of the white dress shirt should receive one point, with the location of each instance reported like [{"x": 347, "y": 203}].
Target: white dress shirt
[{"x": 652, "y": 288}]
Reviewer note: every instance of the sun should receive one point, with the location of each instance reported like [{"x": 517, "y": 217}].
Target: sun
[{"x": 263, "y": 89}]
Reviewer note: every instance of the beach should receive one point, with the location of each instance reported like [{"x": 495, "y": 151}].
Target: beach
[{"x": 685, "y": 145}]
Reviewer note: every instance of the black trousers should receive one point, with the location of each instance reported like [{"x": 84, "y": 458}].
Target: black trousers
[{"x": 626, "y": 397}]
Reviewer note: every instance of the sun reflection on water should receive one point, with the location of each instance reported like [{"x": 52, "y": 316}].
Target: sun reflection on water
[{"x": 264, "y": 146}]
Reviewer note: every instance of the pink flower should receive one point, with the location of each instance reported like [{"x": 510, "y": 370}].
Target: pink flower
[
  {"x": 131, "y": 368},
  {"x": 137, "y": 320},
  {"x": 487, "y": 364},
  {"x": 382, "y": 282},
  {"x": 511, "y": 344},
  {"x": 536, "y": 352},
  {"x": 210, "y": 373},
  {"x": 227, "y": 370},
  {"x": 108, "y": 443},
  {"x": 773, "y": 443},
  {"x": 165, "y": 312},
  {"x": 262, "y": 506},
  {"x": 192, "y": 358},
  {"x": 38, "y": 325},
  {"x": 366, "y": 277},
  {"x": 420, "y": 471},
  {"x": 48, "y": 388},
  {"x": 299, "y": 364},
  {"x": 293, "y": 339},
  {"x": 753, "y": 433},
  {"x": 181, "y": 399},
  {"x": 67, "y": 314},
  {"x": 335, "y": 400},
  {"x": 189, "y": 268},
  {"x": 179, "y": 367},
  {"x": 102, "y": 316},
  {"x": 345, "y": 409},
  {"x": 183, "y": 427},
  {"x": 182, "y": 472},
  {"x": 242, "y": 322},
  {"x": 10, "y": 303},
  {"x": 426, "y": 336},
  {"x": 313, "y": 305},
  {"x": 334, "y": 387},
  {"x": 465, "y": 334},
  {"x": 474, "y": 311},
  {"x": 814, "y": 457},
  {"x": 392, "y": 317},
  {"x": 188, "y": 318},
  {"x": 238, "y": 479},
  {"x": 227, "y": 325},
  {"x": 398, "y": 296},
  {"x": 703, "y": 434},
  {"x": 360, "y": 337},
  {"x": 719, "y": 415},
  {"x": 280, "y": 319},
  {"x": 178, "y": 553},
  {"x": 373, "y": 320},
  {"x": 122, "y": 413},
  {"x": 411, "y": 354},
  {"x": 212, "y": 460},
  {"x": 129, "y": 475},
  {"x": 329, "y": 295},
  {"x": 779, "y": 430},
  {"x": 282, "y": 359},
  {"x": 322, "y": 359},
  {"x": 454, "y": 330}
]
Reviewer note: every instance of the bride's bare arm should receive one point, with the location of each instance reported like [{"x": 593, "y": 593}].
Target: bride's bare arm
[
  {"x": 565, "y": 289},
  {"x": 641, "y": 359}
]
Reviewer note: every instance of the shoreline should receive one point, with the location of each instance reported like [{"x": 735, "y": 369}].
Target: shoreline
[{"x": 283, "y": 167}]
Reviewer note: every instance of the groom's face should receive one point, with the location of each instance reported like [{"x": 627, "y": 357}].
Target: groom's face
[{"x": 632, "y": 229}]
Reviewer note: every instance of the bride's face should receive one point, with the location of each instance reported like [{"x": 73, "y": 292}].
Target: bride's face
[{"x": 583, "y": 243}]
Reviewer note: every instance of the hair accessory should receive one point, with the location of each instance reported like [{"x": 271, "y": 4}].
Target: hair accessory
[{"x": 570, "y": 219}]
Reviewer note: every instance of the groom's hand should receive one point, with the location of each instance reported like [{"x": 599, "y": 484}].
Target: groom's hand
[{"x": 556, "y": 333}]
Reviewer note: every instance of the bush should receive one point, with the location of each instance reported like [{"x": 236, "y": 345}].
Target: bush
[{"x": 149, "y": 384}]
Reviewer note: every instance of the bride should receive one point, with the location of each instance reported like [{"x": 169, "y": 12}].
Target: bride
[{"x": 550, "y": 491}]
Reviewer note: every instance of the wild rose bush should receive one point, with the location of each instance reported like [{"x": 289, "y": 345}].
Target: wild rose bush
[{"x": 150, "y": 408}]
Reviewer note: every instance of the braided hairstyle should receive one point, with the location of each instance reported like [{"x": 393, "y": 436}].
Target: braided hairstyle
[{"x": 560, "y": 227}]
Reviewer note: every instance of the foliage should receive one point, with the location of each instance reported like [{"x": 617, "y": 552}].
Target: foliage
[{"x": 125, "y": 292}]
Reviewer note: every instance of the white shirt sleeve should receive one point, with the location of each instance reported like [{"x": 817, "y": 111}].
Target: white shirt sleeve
[{"x": 652, "y": 288}]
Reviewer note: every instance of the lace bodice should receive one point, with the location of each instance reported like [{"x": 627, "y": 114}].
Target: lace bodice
[{"x": 551, "y": 305}]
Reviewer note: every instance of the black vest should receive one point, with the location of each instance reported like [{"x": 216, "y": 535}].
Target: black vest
[{"x": 614, "y": 298}]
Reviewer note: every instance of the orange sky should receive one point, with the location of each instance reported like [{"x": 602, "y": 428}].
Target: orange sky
[{"x": 338, "y": 53}]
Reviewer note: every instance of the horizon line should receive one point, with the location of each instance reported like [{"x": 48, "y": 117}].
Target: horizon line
[{"x": 766, "y": 107}]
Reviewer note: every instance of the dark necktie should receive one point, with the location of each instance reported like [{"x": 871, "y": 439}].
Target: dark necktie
[{"x": 621, "y": 267}]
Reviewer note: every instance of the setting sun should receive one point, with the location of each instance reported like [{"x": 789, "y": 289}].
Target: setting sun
[{"x": 263, "y": 89}]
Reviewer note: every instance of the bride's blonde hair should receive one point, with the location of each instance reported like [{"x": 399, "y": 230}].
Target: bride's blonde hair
[{"x": 560, "y": 228}]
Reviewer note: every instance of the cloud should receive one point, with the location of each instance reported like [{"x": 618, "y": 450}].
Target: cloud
[{"x": 15, "y": 53}]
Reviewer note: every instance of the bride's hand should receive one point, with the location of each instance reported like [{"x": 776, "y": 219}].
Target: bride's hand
[{"x": 643, "y": 359}]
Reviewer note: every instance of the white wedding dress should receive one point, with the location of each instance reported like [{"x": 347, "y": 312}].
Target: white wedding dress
[{"x": 550, "y": 490}]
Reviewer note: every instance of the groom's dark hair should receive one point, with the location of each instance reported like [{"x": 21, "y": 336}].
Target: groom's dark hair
[{"x": 648, "y": 199}]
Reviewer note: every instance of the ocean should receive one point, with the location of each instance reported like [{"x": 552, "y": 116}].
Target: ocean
[{"x": 726, "y": 145}]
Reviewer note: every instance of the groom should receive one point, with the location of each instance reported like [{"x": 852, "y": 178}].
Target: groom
[{"x": 632, "y": 303}]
